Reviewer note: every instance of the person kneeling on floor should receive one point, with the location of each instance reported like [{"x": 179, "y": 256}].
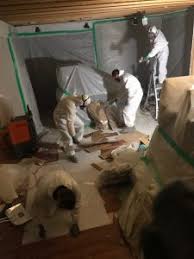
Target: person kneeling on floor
[
  {"x": 56, "y": 191},
  {"x": 69, "y": 124},
  {"x": 129, "y": 99}
]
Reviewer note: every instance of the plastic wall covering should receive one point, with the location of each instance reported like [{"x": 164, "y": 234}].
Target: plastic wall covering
[
  {"x": 121, "y": 44},
  {"x": 77, "y": 46},
  {"x": 81, "y": 79},
  {"x": 42, "y": 54}
]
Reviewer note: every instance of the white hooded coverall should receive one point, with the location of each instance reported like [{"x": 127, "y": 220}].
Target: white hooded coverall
[
  {"x": 161, "y": 50},
  {"x": 43, "y": 204},
  {"x": 68, "y": 123},
  {"x": 129, "y": 99}
]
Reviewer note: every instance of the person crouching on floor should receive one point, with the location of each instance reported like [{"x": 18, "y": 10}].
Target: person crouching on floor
[
  {"x": 69, "y": 124},
  {"x": 56, "y": 191}
]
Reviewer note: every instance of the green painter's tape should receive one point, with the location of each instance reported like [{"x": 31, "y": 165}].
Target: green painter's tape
[
  {"x": 95, "y": 46},
  {"x": 169, "y": 13},
  {"x": 17, "y": 74},
  {"x": 180, "y": 152},
  {"x": 106, "y": 21},
  {"x": 149, "y": 162},
  {"x": 110, "y": 21},
  {"x": 51, "y": 33},
  {"x": 67, "y": 93}
]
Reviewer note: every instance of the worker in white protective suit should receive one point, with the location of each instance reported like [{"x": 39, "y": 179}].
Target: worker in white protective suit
[
  {"x": 159, "y": 50},
  {"x": 128, "y": 99},
  {"x": 69, "y": 124},
  {"x": 56, "y": 191}
]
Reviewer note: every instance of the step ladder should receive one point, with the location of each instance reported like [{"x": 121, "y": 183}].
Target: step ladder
[
  {"x": 157, "y": 90},
  {"x": 154, "y": 90}
]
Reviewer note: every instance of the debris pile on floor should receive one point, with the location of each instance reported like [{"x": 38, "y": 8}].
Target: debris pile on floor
[
  {"x": 116, "y": 175},
  {"x": 47, "y": 152},
  {"x": 108, "y": 142}
]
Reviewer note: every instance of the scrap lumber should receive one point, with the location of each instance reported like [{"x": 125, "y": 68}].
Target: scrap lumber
[
  {"x": 96, "y": 166},
  {"x": 132, "y": 136},
  {"x": 97, "y": 146},
  {"x": 106, "y": 150},
  {"x": 100, "y": 136},
  {"x": 144, "y": 140}
]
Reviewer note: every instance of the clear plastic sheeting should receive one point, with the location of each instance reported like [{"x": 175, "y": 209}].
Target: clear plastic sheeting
[
  {"x": 73, "y": 46},
  {"x": 114, "y": 44},
  {"x": 81, "y": 79},
  {"x": 120, "y": 44},
  {"x": 57, "y": 49},
  {"x": 87, "y": 80},
  {"x": 108, "y": 45}
]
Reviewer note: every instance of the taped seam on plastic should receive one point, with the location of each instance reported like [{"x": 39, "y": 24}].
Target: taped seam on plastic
[
  {"x": 67, "y": 93},
  {"x": 120, "y": 20},
  {"x": 148, "y": 15},
  {"x": 149, "y": 162},
  {"x": 168, "y": 14},
  {"x": 95, "y": 45},
  {"x": 19, "y": 86},
  {"x": 50, "y": 33},
  {"x": 28, "y": 34},
  {"x": 180, "y": 152}
]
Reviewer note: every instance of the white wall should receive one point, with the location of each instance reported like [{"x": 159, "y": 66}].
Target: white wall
[
  {"x": 27, "y": 88},
  {"x": 8, "y": 84}
]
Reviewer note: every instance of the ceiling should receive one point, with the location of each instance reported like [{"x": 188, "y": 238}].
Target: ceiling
[{"x": 23, "y": 12}]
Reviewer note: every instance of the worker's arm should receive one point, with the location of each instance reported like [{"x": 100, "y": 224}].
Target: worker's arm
[
  {"x": 158, "y": 47},
  {"x": 75, "y": 213}
]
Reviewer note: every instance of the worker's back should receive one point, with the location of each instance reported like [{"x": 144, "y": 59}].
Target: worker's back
[
  {"x": 66, "y": 108},
  {"x": 132, "y": 86},
  {"x": 160, "y": 41},
  {"x": 47, "y": 181}
]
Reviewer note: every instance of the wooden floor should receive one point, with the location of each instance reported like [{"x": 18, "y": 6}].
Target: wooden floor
[{"x": 100, "y": 243}]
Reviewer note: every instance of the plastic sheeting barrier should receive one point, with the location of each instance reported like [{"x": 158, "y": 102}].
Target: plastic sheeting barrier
[{"x": 110, "y": 43}]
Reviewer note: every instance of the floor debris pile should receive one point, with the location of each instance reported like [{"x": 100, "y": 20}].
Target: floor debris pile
[
  {"x": 104, "y": 176},
  {"x": 107, "y": 142}
]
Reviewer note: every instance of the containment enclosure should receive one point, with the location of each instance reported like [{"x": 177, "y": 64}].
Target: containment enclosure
[{"x": 51, "y": 62}]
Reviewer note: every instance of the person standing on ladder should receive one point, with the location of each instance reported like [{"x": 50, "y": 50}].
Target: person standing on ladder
[
  {"x": 69, "y": 124},
  {"x": 159, "y": 50}
]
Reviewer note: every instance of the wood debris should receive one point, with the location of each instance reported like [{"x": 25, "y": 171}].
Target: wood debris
[{"x": 97, "y": 167}]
